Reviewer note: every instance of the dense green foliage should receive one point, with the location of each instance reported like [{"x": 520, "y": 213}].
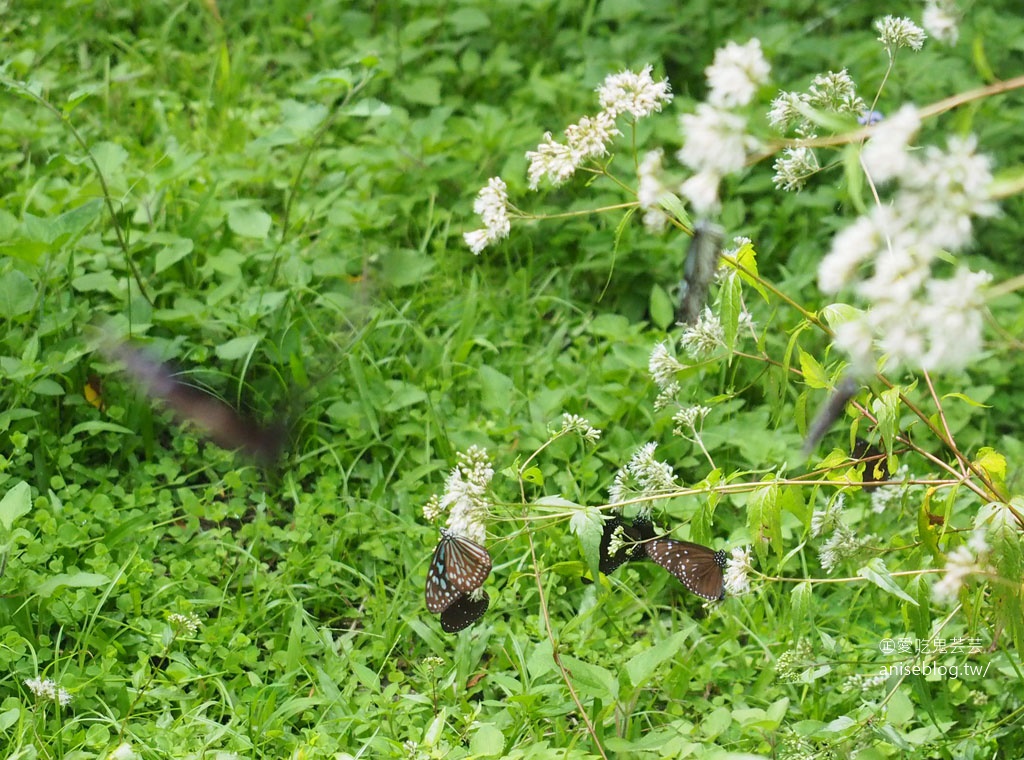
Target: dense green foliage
[{"x": 274, "y": 199}]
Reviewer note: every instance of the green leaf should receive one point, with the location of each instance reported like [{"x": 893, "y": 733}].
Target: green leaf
[
  {"x": 642, "y": 666},
  {"x": 237, "y": 348},
  {"x": 17, "y": 294},
  {"x": 72, "y": 580},
  {"x": 814, "y": 374},
  {"x": 592, "y": 680},
  {"x": 488, "y": 741},
  {"x": 587, "y": 525},
  {"x": 730, "y": 296},
  {"x": 16, "y": 503},
  {"x": 249, "y": 221},
  {"x": 663, "y": 312},
  {"x": 876, "y": 572}
]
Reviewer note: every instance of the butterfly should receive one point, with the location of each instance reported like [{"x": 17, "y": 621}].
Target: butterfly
[
  {"x": 641, "y": 529},
  {"x": 877, "y": 468},
  {"x": 697, "y": 567},
  {"x": 458, "y": 566},
  {"x": 464, "y": 611},
  {"x": 701, "y": 263},
  {"x": 215, "y": 419}
]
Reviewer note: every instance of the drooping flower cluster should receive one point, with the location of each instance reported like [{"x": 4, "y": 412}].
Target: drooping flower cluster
[
  {"x": 492, "y": 206},
  {"x": 573, "y": 423},
  {"x": 715, "y": 138},
  {"x": 643, "y": 475},
  {"x": 737, "y": 571},
  {"x": 465, "y": 496},
  {"x": 914, "y": 318},
  {"x": 961, "y": 563}
]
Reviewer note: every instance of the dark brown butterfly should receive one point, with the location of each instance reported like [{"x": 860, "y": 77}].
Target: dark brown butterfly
[
  {"x": 697, "y": 567},
  {"x": 464, "y": 611},
  {"x": 215, "y": 419},
  {"x": 876, "y": 464},
  {"x": 699, "y": 270},
  {"x": 458, "y": 566},
  {"x": 631, "y": 536}
]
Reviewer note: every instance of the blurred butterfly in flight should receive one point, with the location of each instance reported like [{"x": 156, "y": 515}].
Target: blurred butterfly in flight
[
  {"x": 458, "y": 568},
  {"x": 699, "y": 270},
  {"x": 214, "y": 418},
  {"x": 697, "y": 567}
]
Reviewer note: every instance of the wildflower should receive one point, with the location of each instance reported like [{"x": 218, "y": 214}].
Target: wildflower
[
  {"x": 48, "y": 689},
  {"x": 822, "y": 521},
  {"x": 715, "y": 140},
  {"x": 185, "y": 623},
  {"x": 899, "y": 32},
  {"x": 465, "y": 495},
  {"x": 650, "y": 190},
  {"x": 647, "y": 473},
  {"x": 663, "y": 366},
  {"x": 637, "y": 94},
  {"x": 793, "y": 168},
  {"x": 885, "y": 156},
  {"x": 863, "y": 681},
  {"x": 840, "y": 545},
  {"x": 960, "y": 563},
  {"x": 703, "y": 337},
  {"x": 667, "y": 395},
  {"x": 884, "y": 497},
  {"x": 688, "y": 419},
  {"x": 702, "y": 191},
  {"x": 552, "y": 160},
  {"x": 736, "y": 73},
  {"x": 835, "y": 91},
  {"x": 590, "y": 138},
  {"x": 942, "y": 20},
  {"x": 869, "y": 118},
  {"x": 576, "y": 424},
  {"x": 492, "y": 206},
  {"x": 737, "y": 571},
  {"x": 792, "y": 663},
  {"x": 787, "y": 109},
  {"x": 123, "y": 751}
]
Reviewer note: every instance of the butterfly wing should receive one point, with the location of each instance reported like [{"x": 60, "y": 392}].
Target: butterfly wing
[
  {"x": 457, "y": 567},
  {"x": 697, "y": 567},
  {"x": 463, "y": 612},
  {"x": 641, "y": 529}
]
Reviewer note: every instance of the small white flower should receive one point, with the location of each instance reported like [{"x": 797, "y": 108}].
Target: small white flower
[
  {"x": 736, "y": 73},
  {"x": 185, "y": 623},
  {"x": 552, "y": 160},
  {"x": 737, "y": 572},
  {"x": 702, "y": 191},
  {"x": 465, "y": 495},
  {"x": 942, "y": 20},
  {"x": 637, "y": 94},
  {"x": 960, "y": 563},
  {"x": 786, "y": 110},
  {"x": 715, "y": 140},
  {"x": 591, "y": 136},
  {"x": 123, "y": 751},
  {"x": 835, "y": 91},
  {"x": 663, "y": 366},
  {"x": 492, "y": 206},
  {"x": 48, "y": 689},
  {"x": 688, "y": 419},
  {"x": 899, "y": 32},
  {"x": 572, "y": 423},
  {"x": 793, "y": 168},
  {"x": 885, "y": 155},
  {"x": 822, "y": 521},
  {"x": 703, "y": 338}
]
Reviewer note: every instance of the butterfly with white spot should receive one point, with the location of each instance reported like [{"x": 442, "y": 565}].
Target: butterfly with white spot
[
  {"x": 458, "y": 567},
  {"x": 697, "y": 567}
]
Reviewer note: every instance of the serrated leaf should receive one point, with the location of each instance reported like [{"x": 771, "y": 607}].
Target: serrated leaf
[
  {"x": 814, "y": 374},
  {"x": 876, "y": 572},
  {"x": 730, "y": 296}
]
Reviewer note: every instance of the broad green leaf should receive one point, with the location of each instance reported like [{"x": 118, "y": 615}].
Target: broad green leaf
[
  {"x": 642, "y": 666},
  {"x": 238, "y": 348},
  {"x": 16, "y": 503},
  {"x": 487, "y": 741},
  {"x": 249, "y": 221},
  {"x": 17, "y": 294},
  {"x": 730, "y": 297},
  {"x": 592, "y": 680},
  {"x": 663, "y": 311},
  {"x": 587, "y": 525}
]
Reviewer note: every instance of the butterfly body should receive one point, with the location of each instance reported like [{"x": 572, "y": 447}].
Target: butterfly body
[
  {"x": 697, "y": 567},
  {"x": 458, "y": 567}
]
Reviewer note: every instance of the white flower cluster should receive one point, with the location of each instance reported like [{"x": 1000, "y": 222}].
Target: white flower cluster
[
  {"x": 573, "y": 423},
  {"x": 942, "y": 20},
  {"x": 715, "y": 139},
  {"x": 465, "y": 495},
  {"x": 834, "y": 92},
  {"x": 643, "y": 474},
  {"x": 492, "y": 206},
  {"x": 737, "y": 571},
  {"x": 894, "y": 32},
  {"x": 916, "y": 319},
  {"x": 961, "y": 563},
  {"x": 48, "y": 689}
]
